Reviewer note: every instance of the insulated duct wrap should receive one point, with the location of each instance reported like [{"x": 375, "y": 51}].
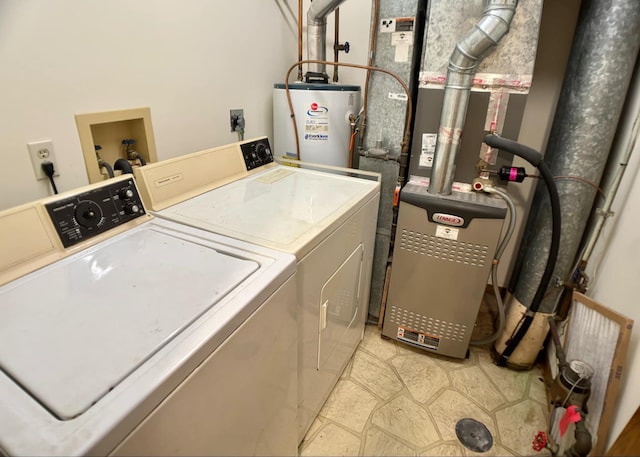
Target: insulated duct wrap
[{"x": 600, "y": 67}]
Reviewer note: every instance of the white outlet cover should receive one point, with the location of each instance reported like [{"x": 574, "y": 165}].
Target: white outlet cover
[{"x": 41, "y": 151}]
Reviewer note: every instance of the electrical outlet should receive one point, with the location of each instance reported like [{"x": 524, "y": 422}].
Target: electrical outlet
[
  {"x": 42, "y": 151},
  {"x": 236, "y": 119}
]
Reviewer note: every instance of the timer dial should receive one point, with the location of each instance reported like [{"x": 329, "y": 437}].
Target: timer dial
[{"x": 88, "y": 214}]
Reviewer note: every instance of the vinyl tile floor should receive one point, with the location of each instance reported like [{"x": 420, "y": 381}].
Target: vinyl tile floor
[{"x": 396, "y": 400}]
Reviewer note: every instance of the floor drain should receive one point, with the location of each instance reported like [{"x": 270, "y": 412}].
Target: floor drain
[{"x": 474, "y": 435}]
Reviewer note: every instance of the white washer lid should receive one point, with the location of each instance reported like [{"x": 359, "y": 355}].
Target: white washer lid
[
  {"x": 282, "y": 208},
  {"x": 72, "y": 331}
]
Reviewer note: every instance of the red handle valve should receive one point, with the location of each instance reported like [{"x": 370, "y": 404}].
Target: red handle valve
[{"x": 539, "y": 441}]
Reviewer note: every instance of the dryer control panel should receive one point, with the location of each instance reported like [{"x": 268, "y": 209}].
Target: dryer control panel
[
  {"x": 85, "y": 215},
  {"x": 256, "y": 153}
]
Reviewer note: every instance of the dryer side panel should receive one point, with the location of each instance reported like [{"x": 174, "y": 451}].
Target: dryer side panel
[{"x": 353, "y": 240}]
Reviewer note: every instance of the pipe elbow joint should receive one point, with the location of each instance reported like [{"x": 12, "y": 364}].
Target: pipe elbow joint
[
  {"x": 320, "y": 9},
  {"x": 583, "y": 443},
  {"x": 486, "y": 34}
]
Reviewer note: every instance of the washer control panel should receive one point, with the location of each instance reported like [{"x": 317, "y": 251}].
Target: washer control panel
[
  {"x": 85, "y": 215},
  {"x": 256, "y": 153}
]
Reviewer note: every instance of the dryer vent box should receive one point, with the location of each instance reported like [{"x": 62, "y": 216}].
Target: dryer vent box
[{"x": 108, "y": 129}]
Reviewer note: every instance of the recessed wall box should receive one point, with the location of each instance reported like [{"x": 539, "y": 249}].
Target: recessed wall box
[{"x": 108, "y": 129}]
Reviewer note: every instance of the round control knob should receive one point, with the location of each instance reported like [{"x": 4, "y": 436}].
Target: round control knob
[
  {"x": 126, "y": 194},
  {"x": 132, "y": 208},
  {"x": 262, "y": 151},
  {"x": 88, "y": 214}
]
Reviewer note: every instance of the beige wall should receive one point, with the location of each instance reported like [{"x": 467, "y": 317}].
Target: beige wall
[
  {"x": 189, "y": 61},
  {"x": 615, "y": 265}
]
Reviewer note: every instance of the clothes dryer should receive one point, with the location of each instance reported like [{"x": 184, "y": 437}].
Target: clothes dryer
[
  {"x": 125, "y": 334},
  {"x": 326, "y": 220}
]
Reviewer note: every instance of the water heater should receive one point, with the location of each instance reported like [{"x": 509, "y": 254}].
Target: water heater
[
  {"x": 322, "y": 117},
  {"x": 442, "y": 258}
]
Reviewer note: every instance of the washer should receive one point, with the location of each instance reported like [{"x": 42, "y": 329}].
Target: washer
[
  {"x": 326, "y": 220},
  {"x": 125, "y": 334}
]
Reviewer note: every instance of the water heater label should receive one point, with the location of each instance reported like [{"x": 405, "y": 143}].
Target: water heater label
[
  {"x": 316, "y": 124},
  {"x": 449, "y": 233}
]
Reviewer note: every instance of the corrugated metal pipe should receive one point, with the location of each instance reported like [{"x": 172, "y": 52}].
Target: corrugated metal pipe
[
  {"x": 601, "y": 63},
  {"x": 317, "y": 37},
  {"x": 464, "y": 61}
]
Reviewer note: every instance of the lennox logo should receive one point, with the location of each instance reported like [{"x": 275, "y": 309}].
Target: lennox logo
[{"x": 448, "y": 219}]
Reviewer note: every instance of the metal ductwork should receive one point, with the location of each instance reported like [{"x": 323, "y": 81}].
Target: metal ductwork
[
  {"x": 469, "y": 52},
  {"x": 317, "y": 37},
  {"x": 595, "y": 87},
  {"x": 600, "y": 67}
]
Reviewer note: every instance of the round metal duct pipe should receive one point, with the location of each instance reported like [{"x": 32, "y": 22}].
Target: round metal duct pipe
[
  {"x": 467, "y": 55},
  {"x": 317, "y": 33},
  {"x": 595, "y": 86}
]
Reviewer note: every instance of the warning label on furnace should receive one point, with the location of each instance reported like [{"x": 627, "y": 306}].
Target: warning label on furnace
[
  {"x": 428, "y": 149},
  {"x": 447, "y": 232}
]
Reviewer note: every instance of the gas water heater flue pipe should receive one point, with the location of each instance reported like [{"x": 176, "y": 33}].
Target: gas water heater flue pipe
[
  {"x": 464, "y": 61},
  {"x": 317, "y": 37}
]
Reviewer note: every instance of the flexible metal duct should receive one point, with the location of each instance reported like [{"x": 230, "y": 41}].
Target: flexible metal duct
[
  {"x": 599, "y": 70},
  {"x": 466, "y": 57},
  {"x": 317, "y": 33}
]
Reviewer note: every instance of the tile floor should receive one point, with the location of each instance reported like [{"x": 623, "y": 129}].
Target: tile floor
[{"x": 397, "y": 400}]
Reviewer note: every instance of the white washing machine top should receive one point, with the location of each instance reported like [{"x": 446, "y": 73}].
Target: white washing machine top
[
  {"x": 239, "y": 191},
  {"x": 283, "y": 207},
  {"x": 125, "y": 306}
]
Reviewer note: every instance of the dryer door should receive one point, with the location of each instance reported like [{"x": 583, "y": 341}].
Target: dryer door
[{"x": 339, "y": 310}]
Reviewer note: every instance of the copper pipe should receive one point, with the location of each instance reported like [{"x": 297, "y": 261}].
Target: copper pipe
[
  {"x": 372, "y": 49},
  {"x": 300, "y": 38},
  {"x": 352, "y": 144},
  {"x": 407, "y": 131},
  {"x": 336, "y": 44}
]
